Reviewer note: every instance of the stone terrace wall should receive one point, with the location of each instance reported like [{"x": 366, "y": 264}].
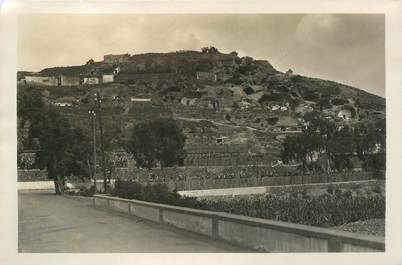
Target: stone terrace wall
[
  {"x": 198, "y": 178},
  {"x": 32, "y": 175}
]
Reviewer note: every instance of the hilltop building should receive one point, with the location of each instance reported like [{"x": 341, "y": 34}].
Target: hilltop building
[{"x": 116, "y": 58}]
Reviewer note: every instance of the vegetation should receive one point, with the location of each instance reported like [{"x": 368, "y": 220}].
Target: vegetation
[
  {"x": 335, "y": 208},
  {"x": 325, "y": 210},
  {"x": 62, "y": 149},
  {"x": 157, "y": 141},
  {"x": 153, "y": 193},
  {"x": 326, "y": 146}
]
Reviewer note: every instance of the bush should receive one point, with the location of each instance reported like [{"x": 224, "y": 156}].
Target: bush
[
  {"x": 339, "y": 101},
  {"x": 158, "y": 193}
]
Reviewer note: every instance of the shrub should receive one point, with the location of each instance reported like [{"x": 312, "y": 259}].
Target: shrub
[
  {"x": 248, "y": 90},
  {"x": 339, "y": 101},
  {"x": 127, "y": 189},
  {"x": 153, "y": 193}
]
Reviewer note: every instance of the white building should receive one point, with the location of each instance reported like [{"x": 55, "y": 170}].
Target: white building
[
  {"x": 345, "y": 114},
  {"x": 91, "y": 80},
  {"x": 135, "y": 99},
  {"x": 42, "y": 80},
  {"x": 107, "y": 78},
  {"x": 276, "y": 107},
  {"x": 187, "y": 101},
  {"x": 62, "y": 104}
]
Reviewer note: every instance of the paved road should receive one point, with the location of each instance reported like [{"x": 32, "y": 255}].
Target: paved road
[{"x": 51, "y": 223}]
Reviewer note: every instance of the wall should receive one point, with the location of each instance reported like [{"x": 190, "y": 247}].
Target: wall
[
  {"x": 201, "y": 178},
  {"x": 42, "y": 80},
  {"x": 36, "y": 185},
  {"x": 107, "y": 78},
  {"x": 252, "y": 233},
  {"x": 70, "y": 80},
  {"x": 91, "y": 80},
  {"x": 277, "y": 190},
  {"x": 25, "y": 175},
  {"x": 210, "y": 76}
]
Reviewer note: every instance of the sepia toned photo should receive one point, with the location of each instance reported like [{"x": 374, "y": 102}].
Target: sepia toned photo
[{"x": 201, "y": 133}]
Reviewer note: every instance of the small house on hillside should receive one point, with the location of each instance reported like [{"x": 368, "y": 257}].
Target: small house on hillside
[
  {"x": 91, "y": 80},
  {"x": 116, "y": 58},
  {"x": 107, "y": 78},
  {"x": 275, "y": 108},
  {"x": 137, "y": 99},
  {"x": 188, "y": 101},
  {"x": 62, "y": 104},
  {"x": 206, "y": 76},
  {"x": 65, "y": 102},
  {"x": 41, "y": 80},
  {"x": 69, "y": 80},
  {"x": 345, "y": 114}
]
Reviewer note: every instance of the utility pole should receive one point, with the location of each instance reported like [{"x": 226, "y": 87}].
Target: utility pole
[
  {"x": 99, "y": 110},
  {"x": 92, "y": 114}
]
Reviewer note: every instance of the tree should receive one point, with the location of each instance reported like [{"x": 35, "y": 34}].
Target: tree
[
  {"x": 210, "y": 49},
  {"x": 321, "y": 136},
  {"x": 64, "y": 150},
  {"x": 29, "y": 104},
  {"x": 157, "y": 141},
  {"x": 370, "y": 144}
]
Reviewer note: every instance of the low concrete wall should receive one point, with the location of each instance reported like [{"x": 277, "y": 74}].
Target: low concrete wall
[
  {"x": 30, "y": 175},
  {"x": 36, "y": 185},
  {"x": 248, "y": 232}
]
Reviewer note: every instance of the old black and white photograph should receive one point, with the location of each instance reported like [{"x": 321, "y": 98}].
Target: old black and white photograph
[{"x": 183, "y": 133}]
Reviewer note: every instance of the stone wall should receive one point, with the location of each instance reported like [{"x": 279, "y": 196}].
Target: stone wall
[
  {"x": 226, "y": 159},
  {"x": 28, "y": 175},
  {"x": 228, "y": 193},
  {"x": 200, "y": 178}
]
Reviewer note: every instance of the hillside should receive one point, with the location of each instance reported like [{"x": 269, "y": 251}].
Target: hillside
[{"x": 218, "y": 98}]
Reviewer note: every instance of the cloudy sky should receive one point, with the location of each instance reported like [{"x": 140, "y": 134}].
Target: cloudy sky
[{"x": 344, "y": 48}]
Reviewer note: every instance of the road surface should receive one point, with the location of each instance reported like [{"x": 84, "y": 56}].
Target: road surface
[{"x": 52, "y": 223}]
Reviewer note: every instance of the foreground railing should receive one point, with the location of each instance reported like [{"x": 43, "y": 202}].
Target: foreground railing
[{"x": 248, "y": 232}]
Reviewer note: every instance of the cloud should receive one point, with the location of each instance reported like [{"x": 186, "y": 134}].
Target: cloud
[
  {"x": 339, "y": 31},
  {"x": 347, "y": 48}
]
